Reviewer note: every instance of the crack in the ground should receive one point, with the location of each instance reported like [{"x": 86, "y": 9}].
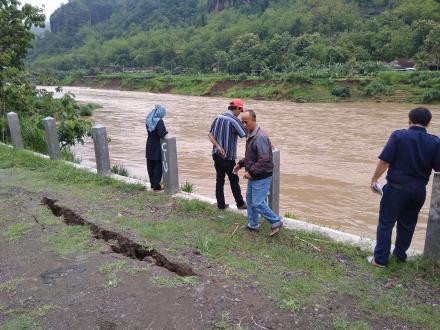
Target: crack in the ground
[{"x": 125, "y": 246}]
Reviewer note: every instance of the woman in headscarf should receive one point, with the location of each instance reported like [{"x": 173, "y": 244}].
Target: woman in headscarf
[{"x": 156, "y": 130}]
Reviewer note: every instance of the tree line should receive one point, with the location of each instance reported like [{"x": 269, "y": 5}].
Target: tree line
[{"x": 239, "y": 36}]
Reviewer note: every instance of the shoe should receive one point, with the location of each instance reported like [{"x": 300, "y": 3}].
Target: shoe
[
  {"x": 275, "y": 231},
  {"x": 223, "y": 208},
  {"x": 242, "y": 207},
  {"x": 371, "y": 260},
  {"x": 158, "y": 189},
  {"x": 252, "y": 229}
]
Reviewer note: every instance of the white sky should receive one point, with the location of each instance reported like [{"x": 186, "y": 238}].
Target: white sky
[{"x": 50, "y": 5}]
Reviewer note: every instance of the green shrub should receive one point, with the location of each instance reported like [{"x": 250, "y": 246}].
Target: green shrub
[
  {"x": 243, "y": 76},
  {"x": 290, "y": 215},
  {"x": 187, "y": 187},
  {"x": 120, "y": 170},
  {"x": 33, "y": 134},
  {"x": 297, "y": 78},
  {"x": 431, "y": 96},
  {"x": 86, "y": 110},
  {"x": 377, "y": 87},
  {"x": 341, "y": 91}
]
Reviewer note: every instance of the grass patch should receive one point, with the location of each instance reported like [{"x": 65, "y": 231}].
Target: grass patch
[
  {"x": 119, "y": 170},
  {"x": 224, "y": 322},
  {"x": 187, "y": 187},
  {"x": 28, "y": 319},
  {"x": 15, "y": 231},
  {"x": 112, "y": 281},
  {"x": 11, "y": 285},
  {"x": 72, "y": 239},
  {"x": 291, "y": 304},
  {"x": 112, "y": 267},
  {"x": 21, "y": 322},
  {"x": 175, "y": 282},
  {"x": 58, "y": 172},
  {"x": 342, "y": 324},
  {"x": 136, "y": 270}
]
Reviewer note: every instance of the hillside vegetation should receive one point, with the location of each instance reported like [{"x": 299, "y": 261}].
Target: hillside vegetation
[{"x": 241, "y": 36}]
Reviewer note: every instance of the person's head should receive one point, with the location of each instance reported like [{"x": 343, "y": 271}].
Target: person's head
[
  {"x": 420, "y": 116},
  {"x": 249, "y": 120},
  {"x": 236, "y": 106},
  {"x": 159, "y": 111}
]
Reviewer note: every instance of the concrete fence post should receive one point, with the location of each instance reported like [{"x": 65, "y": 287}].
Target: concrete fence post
[
  {"x": 432, "y": 241},
  {"x": 99, "y": 135},
  {"x": 169, "y": 165},
  {"x": 14, "y": 128},
  {"x": 274, "y": 192},
  {"x": 53, "y": 144}
]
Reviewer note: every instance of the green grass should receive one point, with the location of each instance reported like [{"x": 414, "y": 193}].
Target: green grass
[
  {"x": 10, "y": 286},
  {"x": 187, "y": 187},
  {"x": 16, "y": 231},
  {"x": 287, "y": 268},
  {"x": 28, "y": 319},
  {"x": 113, "y": 266},
  {"x": 120, "y": 170},
  {"x": 72, "y": 239}
]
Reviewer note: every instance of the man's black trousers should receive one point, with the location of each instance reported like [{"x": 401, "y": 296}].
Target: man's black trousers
[{"x": 225, "y": 167}]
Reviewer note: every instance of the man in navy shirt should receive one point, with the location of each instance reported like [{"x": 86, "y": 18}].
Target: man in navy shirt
[
  {"x": 223, "y": 135},
  {"x": 409, "y": 155}
]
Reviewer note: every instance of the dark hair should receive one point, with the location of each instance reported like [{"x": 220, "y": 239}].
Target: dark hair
[
  {"x": 420, "y": 116},
  {"x": 252, "y": 113},
  {"x": 233, "y": 107}
]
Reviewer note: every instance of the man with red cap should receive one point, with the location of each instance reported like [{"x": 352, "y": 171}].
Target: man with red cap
[{"x": 223, "y": 134}]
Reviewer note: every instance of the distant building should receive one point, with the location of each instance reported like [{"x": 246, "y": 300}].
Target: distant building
[{"x": 402, "y": 64}]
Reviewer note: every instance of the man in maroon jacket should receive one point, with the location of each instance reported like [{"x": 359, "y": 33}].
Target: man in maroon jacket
[{"x": 258, "y": 164}]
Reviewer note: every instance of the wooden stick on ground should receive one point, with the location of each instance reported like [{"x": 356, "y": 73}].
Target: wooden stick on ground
[
  {"x": 312, "y": 245},
  {"x": 235, "y": 230}
]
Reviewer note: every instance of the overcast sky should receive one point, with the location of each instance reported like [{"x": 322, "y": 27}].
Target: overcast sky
[{"x": 50, "y": 5}]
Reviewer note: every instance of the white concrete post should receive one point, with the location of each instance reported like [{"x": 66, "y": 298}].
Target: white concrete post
[
  {"x": 169, "y": 164},
  {"x": 99, "y": 135},
  {"x": 432, "y": 241},
  {"x": 53, "y": 144},
  {"x": 14, "y": 128},
  {"x": 274, "y": 192}
]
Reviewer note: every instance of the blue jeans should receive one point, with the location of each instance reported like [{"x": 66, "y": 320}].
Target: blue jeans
[
  {"x": 401, "y": 205},
  {"x": 256, "y": 198}
]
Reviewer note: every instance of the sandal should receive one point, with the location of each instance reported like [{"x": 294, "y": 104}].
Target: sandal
[
  {"x": 371, "y": 260},
  {"x": 275, "y": 231}
]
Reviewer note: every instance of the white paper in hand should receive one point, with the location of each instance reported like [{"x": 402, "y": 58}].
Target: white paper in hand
[{"x": 378, "y": 188}]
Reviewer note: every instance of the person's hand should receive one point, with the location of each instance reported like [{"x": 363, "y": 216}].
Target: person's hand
[
  {"x": 221, "y": 151},
  {"x": 236, "y": 169},
  {"x": 246, "y": 175},
  {"x": 372, "y": 184}
]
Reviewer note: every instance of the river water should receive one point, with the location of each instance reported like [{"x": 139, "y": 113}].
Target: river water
[{"x": 328, "y": 151}]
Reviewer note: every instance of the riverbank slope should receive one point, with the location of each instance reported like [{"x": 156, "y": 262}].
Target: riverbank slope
[
  {"x": 387, "y": 86},
  {"x": 78, "y": 272}
]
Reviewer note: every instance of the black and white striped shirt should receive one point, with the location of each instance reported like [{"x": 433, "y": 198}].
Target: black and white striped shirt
[{"x": 225, "y": 128}]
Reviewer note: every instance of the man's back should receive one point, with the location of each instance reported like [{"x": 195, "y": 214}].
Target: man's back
[
  {"x": 225, "y": 129},
  {"x": 412, "y": 154}
]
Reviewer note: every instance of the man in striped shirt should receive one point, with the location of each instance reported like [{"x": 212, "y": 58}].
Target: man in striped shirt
[{"x": 224, "y": 132}]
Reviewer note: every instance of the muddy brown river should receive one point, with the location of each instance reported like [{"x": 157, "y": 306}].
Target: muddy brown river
[{"x": 328, "y": 151}]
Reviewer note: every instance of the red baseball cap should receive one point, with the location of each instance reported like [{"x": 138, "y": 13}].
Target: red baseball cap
[{"x": 237, "y": 103}]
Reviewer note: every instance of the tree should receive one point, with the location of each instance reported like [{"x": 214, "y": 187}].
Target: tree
[{"x": 17, "y": 92}]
